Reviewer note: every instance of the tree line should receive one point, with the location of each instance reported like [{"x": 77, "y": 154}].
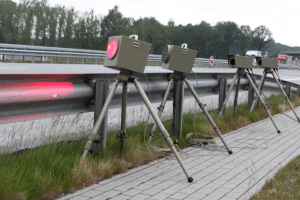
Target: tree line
[{"x": 34, "y": 22}]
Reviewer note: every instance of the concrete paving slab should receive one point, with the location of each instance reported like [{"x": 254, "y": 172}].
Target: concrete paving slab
[{"x": 259, "y": 152}]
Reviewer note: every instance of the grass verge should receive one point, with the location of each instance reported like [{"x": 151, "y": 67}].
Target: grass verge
[
  {"x": 53, "y": 170},
  {"x": 285, "y": 184}
]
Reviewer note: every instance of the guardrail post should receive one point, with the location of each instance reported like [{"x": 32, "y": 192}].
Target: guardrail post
[
  {"x": 51, "y": 60},
  {"x": 250, "y": 96},
  {"x": 23, "y": 58},
  {"x": 85, "y": 61},
  {"x": 12, "y": 59},
  {"x": 222, "y": 92},
  {"x": 96, "y": 61},
  {"x": 72, "y": 60},
  {"x": 3, "y": 57},
  {"x": 32, "y": 59},
  {"x": 57, "y": 59},
  {"x": 82, "y": 60},
  {"x": 178, "y": 108},
  {"x": 68, "y": 61},
  {"x": 298, "y": 91},
  {"x": 101, "y": 92},
  {"x": 288, "y": 89},
  {"x": 42, "y": 59}
]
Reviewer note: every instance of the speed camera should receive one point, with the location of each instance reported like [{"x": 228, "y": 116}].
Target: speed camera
[
  {"x": 126, "y": 53},
  {"x": 267, "y": 62},
  {"x": 240, "y": 62},
  {"x": 178, "y": 59}
]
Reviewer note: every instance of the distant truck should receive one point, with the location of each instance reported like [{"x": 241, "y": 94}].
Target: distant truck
[
  {"x": 255, "y": 53},
  {"x": 284, "y": 61}
]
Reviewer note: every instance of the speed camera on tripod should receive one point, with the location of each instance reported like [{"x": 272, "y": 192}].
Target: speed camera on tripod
[
  {"x": 239, "y": 62},
  {"x": 126, "y": 53},
  {"x": 178, "y": 59},
  {"x": 267, "y": 62}
]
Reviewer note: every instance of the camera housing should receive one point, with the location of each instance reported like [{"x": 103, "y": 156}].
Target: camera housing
[
  {"x": 239, "y": 62},
  {"x": 267, "y": 62},
  {"x": 178, "y": 59},
  {"x": 126, "y": 53}
]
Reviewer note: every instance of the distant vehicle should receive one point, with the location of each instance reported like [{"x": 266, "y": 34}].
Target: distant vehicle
[
  {"x": 255, "y": 53},
  {"x": 284, "y": 60}
]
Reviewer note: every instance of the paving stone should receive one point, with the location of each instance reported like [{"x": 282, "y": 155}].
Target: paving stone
[
  {"x": 123, "y": 188},
  {"x": 105, "y": 188},
  {"x": 91, "y": 193},
  {"x": 143, "y": 187},
  {"x": 120, "y": 197},
  {"x": 150, "y": 192},
  {"x": 79, "y": 198},
  {"x": 132, "y": 192},
  {"x": 188, "y": 190},
  {"x": 215, "y": 195},
  {"x": 160, "y": 196},
  {"x": 110, "y": 193},
  {"x": 178, "y": 195},
  {"x": 140, "y": 197},
  {"x": 217, "y": 175}
]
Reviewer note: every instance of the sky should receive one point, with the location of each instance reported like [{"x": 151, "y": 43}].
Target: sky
[{"x": 281, "y": 17}]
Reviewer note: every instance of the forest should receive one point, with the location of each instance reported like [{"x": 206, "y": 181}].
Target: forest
[{"x": 35, "y": 22}]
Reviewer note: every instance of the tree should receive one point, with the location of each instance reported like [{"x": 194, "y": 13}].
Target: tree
[
  {"x": 39, "y": 9},
  {"x": 7, "y": 14},
  {"x": 61, "y": 24},
  {"x": 261, "y": 36},
  {"x": 225, "y": 37},
  {"x": 244, "y": 39},
  {"x": 113, "y": 24},
  {"x": 28, "y": 22},
  {"x": 52, "y": 26},
  {"x": 68, "y": 31}
]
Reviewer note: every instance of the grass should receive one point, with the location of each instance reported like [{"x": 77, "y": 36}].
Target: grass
[
  {"x": 285, "y": 184},
  {"x": 52, "y": 170}
]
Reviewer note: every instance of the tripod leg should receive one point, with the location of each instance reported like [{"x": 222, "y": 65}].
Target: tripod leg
[
  {"x": 262, "y": 101},
  {"x": 260, "y": 86},
  {"x": 236, "y": 94},
  {"x": 227, "y": 97},
  {"x": 162, "y": 129},
  {"x": 161, "y": 108},
  {"x": 285, "y": 96},
  {"x": 206, "y": 113},
  {"x": 94, "y": 136},
  {"x": 122, "y": 136}
]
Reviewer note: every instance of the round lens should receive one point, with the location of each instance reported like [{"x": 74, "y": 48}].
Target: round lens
[{"x": 112, "y": 48}]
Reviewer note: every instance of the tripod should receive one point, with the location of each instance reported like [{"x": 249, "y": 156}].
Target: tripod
[
  {"x": 178, "y": 76},
  {"x": 242, "y": 72},
  {"x": 125, "y": 77},
  {"x": 261, "y": 85}
]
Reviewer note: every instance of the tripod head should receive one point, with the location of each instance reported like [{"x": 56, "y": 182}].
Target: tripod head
[
  {"x": 239, "y": 62},
  {"x": 126, "y": 53},
  {"x": 267, "y": 62},
  {"x": 178, "y": 59}
]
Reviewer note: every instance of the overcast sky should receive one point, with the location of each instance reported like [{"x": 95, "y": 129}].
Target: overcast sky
[{"x": 281, "y": 17}]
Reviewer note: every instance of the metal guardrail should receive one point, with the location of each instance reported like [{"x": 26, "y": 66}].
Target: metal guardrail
[
  {"x": 35, "y": 96},
  {"x": 57, "y": 52},
  {"x": 41, "y": 51}
]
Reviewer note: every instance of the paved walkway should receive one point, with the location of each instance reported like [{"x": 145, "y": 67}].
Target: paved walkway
[{"x": 259, "y": 152}]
